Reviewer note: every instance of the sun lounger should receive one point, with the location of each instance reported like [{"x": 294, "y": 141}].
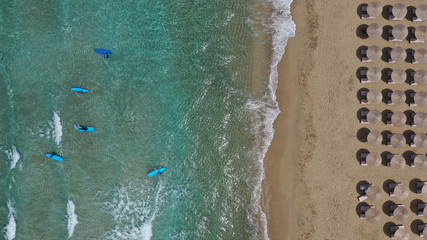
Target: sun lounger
[
  {"x": 363, "y": 116},
  {"x": 389, "y": 115},
  {"x": 362, "y": 198},
  {"x": 412, "y": 164},
  {"x": 363, "y": 95}
]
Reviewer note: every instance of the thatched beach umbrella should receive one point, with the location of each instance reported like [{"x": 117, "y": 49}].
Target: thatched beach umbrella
[
  {"x": 399, "y": 32},
  {"x": 399, "y": 11},
  {"x": 421, "y": 55},
  {"x": 420, "y": 98},
  {"x": 420, "y": 161},
  {"x": 374, "y": 193},
  {"x": 421, "y": 33},
  {"x": 401, "y": 213},
  {"x": 398, "y": 75},
  {"x": 420, "y": 77},
  {"x": 373, "y": 215},
  {"x": 420, "y": 119},
  {"x": 398, "y": 97},
  {"x": 375, "y": 138},
  {"x": 401, "y": 191},
  {"x": 373, "y": 74},
  {"x": 398, "y": 54},
  {"x": 373, "y": 159},
  {"x": 374, "y": 96},
  {"x": 397, "y": 162},
  {"x": 374, "y": 9},
  {"x": 374, "y": 53},
  {"x": 420, "y": 11},
  {"x": 401, "y": 234},
  {"x": 398, "y": 119},
  {"x": 398, "y": 140},
  {"x": 420, "y": 140},
  {"x": 374, "y": 117},
  {"x": 374, "y": 30}
]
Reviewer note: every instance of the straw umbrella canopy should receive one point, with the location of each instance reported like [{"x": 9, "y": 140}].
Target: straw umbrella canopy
[
  {"x": 420, "y": 140},
  {"x": 398, "y": 54},
  {"x": 374, "y": 9},
  {"x": 374, "y": 53},
  {"x": 374, "y": 193},
  {"x": 398, "y": 76},
  {"x": 373, "y": 159},
  {"x": 374, "y": 96},
  {"x": 374, "y": 74},
  {"x": 420, "y": 119},
  {"x": 373, "y": 215},
  {"x": 420, "y": 98},
  {"x": 420, "y": 11},
  {"x": 374, "y": 117},
  {"x": 421, "y": 55},
  {"x": 421, "y": 33},
  {"x": 399, "y": 11},
  {"x": 398, "y": 119},
  {"x": 420, "y": 77},
  {"x": 375, "y": 138},
  {"x": 401, "y": 191},
  {"x": 420, "y": 161},
  {"x": 398, "y": 140},
  {"x": 399, "y": 32},
  {"x": 401, "y": 213},
  {"x": 398, "y": 97},
  {"x": 397, "y": 162},
  {"x": 374, "y": 30},
  {"x": 401, "y": 234}
]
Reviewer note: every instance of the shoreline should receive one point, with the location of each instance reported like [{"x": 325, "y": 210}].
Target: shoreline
[{"x": 279, "y": 200}]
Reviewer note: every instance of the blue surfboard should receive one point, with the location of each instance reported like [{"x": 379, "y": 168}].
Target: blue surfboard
[
  {"x": 80, "y": 90},
  {"x": 54, "y": 157},
  {"x": 103, "y": 51},
  {"x": 83, "y": 129},
  {"x": 155, "y": 172}
]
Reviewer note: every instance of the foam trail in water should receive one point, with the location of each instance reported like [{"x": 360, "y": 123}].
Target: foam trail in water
[
  {"x": 264, "y": 111},
  {"x": 133, "y": 213},
  {"x": 14, "y": 156},
  {"x": 58, "y": 127},
  {"x": 10, "y": 229},
  {"x": 71, "y": 217}
]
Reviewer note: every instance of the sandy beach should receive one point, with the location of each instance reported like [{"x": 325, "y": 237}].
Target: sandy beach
[{"x": 311, "y": 167}]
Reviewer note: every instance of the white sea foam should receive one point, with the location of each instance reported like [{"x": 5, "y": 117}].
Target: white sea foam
[
  {"x": 10, "y": 229},
  {"x": 264, "y": 111},
  {"x": 14, "y": 156},
  {"x": 58, "y": 127},
  {"x": 133, "y": 212},
  {"x": 71, "y": 217}
]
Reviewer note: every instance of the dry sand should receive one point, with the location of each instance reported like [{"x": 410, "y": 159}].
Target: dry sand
[{"x": 311, "y": 167}]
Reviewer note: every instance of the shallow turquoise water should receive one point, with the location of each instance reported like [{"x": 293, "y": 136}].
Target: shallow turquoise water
[{"x": 173, "y": 93}]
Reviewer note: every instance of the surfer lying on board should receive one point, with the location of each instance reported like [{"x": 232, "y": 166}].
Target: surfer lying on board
[{"x": 83, "y": 127}]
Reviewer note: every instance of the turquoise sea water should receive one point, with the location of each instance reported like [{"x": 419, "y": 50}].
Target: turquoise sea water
[{"x": 176, "y": 92}]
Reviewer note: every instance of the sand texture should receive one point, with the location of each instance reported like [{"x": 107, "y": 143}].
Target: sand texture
[{"x": 312, "y": 168}]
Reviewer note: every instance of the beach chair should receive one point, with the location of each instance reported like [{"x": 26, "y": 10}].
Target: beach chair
[
  {"x": 420, "y": 186},
  {"x": 362, "y": 198},
  {"x": 391, "y": 37},
  {"x": 393, "y": 229},
  {"x": 420, "y": 228},
  {"x": 388, "y": 122},
  {"x": 363, "y": 116},
  {"x": 412, "y": 101},
  {"x": 363, "y": 210},
  {"x": 415, "y": 18},
  {"x": 365, "y": 186},
  {"x": 414, "y": 40},
  {"x": 388, "y": 143},
  {"x": 392, "y": 186},
  {"x": 365, "y": 14},
  {"x": 365, "y": 58},
  {"x": 364, "y": 76},
  {"x": 411, "y": 140},
  {"x": 388, "y": 98},
  {"x": 421, "y": 207},
  {"x": 363, "y": 163},
  {"x": 393, "y": 207},
  {"x": 363, "y": 97}
]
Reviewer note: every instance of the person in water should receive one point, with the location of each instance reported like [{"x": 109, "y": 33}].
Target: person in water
[
  {"x": 83, "y": 127},
  {"x": 106, "y": 56}
]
